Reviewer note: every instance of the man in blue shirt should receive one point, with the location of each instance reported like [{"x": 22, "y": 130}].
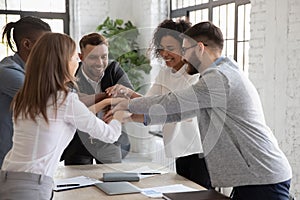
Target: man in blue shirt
[{"x": 26, "y": 32}]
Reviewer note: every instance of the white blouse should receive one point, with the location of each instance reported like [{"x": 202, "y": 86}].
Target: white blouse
[
  {"x": 37, "y": 146},
  {"x": 181, "y": 138}
]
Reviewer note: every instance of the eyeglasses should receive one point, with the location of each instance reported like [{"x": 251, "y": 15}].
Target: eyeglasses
[{"x": 183, "y": 49}]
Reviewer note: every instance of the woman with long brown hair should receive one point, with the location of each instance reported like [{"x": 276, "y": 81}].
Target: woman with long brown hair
[{"x": 46, "y": 113}]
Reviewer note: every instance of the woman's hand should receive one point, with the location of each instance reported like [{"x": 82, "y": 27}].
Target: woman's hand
[
  {"x": 121, "y": 91},
  {"x": 120, "y": 104},
  {"x": 104, "y": 103},
  {"x": 91, "y": 99}
]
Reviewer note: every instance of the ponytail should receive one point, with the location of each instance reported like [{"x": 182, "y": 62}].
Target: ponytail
[
  {"x": 23, "y": 28},
  {"x": 7, "y": 31}
]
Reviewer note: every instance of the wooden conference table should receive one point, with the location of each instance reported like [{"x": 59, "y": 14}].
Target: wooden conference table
[{"x": 96, "y": 171}]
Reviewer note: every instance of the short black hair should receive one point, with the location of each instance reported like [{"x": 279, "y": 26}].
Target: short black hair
[
  {"x": 207, "y": 33},
  {"x": 24, "y": 27}
]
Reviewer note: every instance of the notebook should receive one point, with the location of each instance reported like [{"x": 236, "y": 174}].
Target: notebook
[
  {"x": 114, "y": 188},
  {"x": 196, "y": 195},
  {"x": 120, "y": 176}
]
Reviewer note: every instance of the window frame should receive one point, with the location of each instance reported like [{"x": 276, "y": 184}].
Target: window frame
[
  {"x": 46, "y": 15},
  {"x": 180, "y": 12}
]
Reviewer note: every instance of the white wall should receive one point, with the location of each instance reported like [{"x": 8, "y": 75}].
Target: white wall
[
  {"x": 145, "y": 14},
  {"x": 274, "y": 69},
  {"x": 86, "y": 15}
]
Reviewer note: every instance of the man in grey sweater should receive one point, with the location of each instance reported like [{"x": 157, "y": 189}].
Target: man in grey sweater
[{"x": 240, "y": 149}]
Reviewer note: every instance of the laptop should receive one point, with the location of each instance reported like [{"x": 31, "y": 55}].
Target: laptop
[{"x": 114, "y": 188}]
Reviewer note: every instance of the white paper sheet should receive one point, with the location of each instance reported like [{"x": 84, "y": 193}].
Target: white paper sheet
[{"x": 156, "y": 192}]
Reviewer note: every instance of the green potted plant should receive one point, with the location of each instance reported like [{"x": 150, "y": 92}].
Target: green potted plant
[{"x": 123, "y": 47}]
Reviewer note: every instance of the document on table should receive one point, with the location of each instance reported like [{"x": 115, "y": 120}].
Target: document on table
[
  {"x": 74, "y": 182},
  {"x": 156, "y": 192}
]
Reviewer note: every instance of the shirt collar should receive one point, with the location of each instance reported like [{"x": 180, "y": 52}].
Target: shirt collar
[
  {"x": 95, "y": 85},
  {"x": 90, "y": 80},
  {"x": 178, "y": 73},
  {"x": 217, "y": 62},
  {"x": 18, "y": 60}
]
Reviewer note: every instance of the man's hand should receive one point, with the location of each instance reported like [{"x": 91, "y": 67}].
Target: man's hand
[
  {"x": 118, "y": 104},
  {"x": 122, "y": 116},
  {"x": 104, "y": 103}
]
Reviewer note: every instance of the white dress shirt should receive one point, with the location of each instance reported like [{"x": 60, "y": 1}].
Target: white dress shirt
[
  {"x": 96, "y": 85},
  {"x": 180, "y": 138},
  {"x": 37, "y": 146}
]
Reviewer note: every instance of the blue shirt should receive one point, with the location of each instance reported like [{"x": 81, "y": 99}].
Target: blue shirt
[{"x": 12, "y": 76}]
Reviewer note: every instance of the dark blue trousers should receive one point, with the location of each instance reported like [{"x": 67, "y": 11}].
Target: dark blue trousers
[{"x": 278, "y": 191}]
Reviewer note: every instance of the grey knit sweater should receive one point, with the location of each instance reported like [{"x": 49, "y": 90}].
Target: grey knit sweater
[{"x": 240, "y": 149}]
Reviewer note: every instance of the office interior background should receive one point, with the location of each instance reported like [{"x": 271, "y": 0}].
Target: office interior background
[{"x": 263, "y": 36}]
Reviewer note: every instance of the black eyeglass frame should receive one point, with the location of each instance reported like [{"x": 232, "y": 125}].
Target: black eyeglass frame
[{"x": 183, "y": 49}]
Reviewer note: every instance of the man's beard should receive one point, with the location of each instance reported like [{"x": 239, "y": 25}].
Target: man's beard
[{"x": 193, "y": 64}]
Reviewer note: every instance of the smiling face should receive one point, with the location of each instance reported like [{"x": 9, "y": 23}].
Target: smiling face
[
  {"x": 171, "y": 52},
  {"x": 95, "y": 60}
]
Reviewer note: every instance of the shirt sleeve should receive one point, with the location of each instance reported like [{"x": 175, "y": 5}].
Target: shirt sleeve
[
  {"x": 12, "y": 79},
  {"x": 209, "y": 92},
  {"x": 154, "y": 90},
  {"x": 79, "y": 116}
]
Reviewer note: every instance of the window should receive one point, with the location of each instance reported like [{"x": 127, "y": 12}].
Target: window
[
  {"x": 232, "y": 16},
  {"x": 54, "y": 12}
]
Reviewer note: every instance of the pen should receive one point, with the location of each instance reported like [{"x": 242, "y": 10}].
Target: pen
[
  {"x": 149, "y": 173},
  {"x": 68, "y": 185}
]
